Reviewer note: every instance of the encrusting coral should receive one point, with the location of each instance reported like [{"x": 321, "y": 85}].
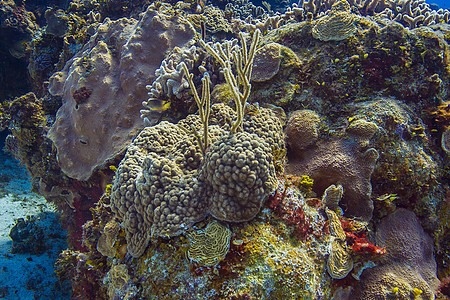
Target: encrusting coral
[
  {"x": 336, "y": 160},
  {"x": 408, "y": 265},
  {"x": 210, "y": 245},
  {"x": 103, "y": 85},
  {"x": 337, "y": 24}
]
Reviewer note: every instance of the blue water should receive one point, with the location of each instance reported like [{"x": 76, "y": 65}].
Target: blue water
[{"x": 442, "y": 3}]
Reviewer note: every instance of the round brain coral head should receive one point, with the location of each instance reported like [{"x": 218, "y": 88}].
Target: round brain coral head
[
  {"x": 302, "y": 129},
  {"x": 239, "y": 175}
]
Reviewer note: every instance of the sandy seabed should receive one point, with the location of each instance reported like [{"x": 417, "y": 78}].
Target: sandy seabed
[{"x": 25, "y": 275}]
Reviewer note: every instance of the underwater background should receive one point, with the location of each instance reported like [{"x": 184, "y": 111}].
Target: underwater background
[{"x": 224, "y": 149}]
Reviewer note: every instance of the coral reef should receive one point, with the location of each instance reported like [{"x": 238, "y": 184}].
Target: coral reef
[
  {"x": 342, "y": 161},
  {"x": 163, "y": 185},
  {"x": 409, "y": 266},
  {"x": 406, "y": 154},
  {"x": 223, "y": 203},
  {"x": 103, "y": 85}
]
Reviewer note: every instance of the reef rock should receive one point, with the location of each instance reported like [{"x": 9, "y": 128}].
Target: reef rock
[{"x": 103, "y": 85}]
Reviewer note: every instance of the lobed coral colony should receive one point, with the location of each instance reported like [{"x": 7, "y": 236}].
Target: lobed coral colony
[{"x": 207, "y": 151}]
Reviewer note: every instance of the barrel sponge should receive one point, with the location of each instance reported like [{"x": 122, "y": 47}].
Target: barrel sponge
[
  {"x": 302, "y": 129},
  {"x": 239, "y": 175},
  {"x": 408, "y": 264}
]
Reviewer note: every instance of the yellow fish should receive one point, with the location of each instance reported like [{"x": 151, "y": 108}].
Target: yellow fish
[{"x": 158, "y": 105}]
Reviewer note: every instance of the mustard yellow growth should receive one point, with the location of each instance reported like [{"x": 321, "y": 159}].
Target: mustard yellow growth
[
  {"x": 306, "y": 184},
  {"x": 416, "y": 292},
  {"x": 335, "y": 225}
]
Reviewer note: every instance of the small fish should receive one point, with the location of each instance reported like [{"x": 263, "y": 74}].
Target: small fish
[
  {"x": 158, "y": 105},
  {"x": 388, "y": 197}
]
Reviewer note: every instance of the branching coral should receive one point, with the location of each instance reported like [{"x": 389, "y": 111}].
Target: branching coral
[
  {"x": 408, "y": 264},
  {"x": 203, "y": 104}
]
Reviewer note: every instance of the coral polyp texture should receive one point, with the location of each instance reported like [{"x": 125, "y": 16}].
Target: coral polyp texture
[
  {"x": 334, "y": 160},
  {"x": 164, "y": 184},
  {"x": 337, "y": 24},
  {"x": 210, "y": 245},
  {"x": 267, "y": 62},
  {"x": 103, "y": 85},
  {"x": 409, "y": 264},
  {"x": 302, "y": 129},
  {"x": 238, "y": 174}
]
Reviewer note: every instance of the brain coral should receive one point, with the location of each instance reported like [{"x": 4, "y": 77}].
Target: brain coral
[
  {"x": 302, "y": 129},
  {"x": 164, "y": 183},
  {"x": 103, "y": 85},
  {"x": 409, "y": 263}
]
